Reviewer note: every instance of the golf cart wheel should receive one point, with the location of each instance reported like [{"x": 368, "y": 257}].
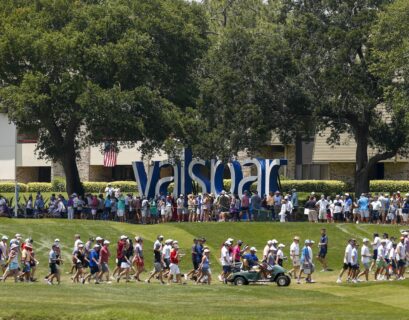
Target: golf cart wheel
[
  {"x": 239, "y": 281},
  {"x": 283, "y": 281}
]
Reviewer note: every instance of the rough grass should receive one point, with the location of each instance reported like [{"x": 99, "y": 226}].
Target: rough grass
[{"x": 323, "y": 300}]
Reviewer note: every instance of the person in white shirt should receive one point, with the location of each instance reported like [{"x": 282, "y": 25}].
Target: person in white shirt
[
  {"x": 354, "y": 263},
  {"x": 381, "y": 263},
  {"x": 226, "y": 260},
  {"x": 392, "y": 268},
  {"x": 166, "y": 255},
  {"x": 295, "y": 256},
  {"x": 290, "y": 206},
  {"x": 322, "y": 205},
  {"x": 4, "y": 253},
  {"x": 109, "y": 191},
  {"x": 347, "y": 259},
  {"x": 266, "y": 250},
  {"x": 283, "y": 210},
  {"x": 376, "y": 208},
  {"x": 280, "y": 255},
  {"x": 365, "y": 259},
  {"x": 401, "y": 258}
]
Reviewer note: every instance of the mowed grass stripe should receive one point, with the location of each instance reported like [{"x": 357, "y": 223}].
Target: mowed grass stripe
[{"x": 323, "y": 300}]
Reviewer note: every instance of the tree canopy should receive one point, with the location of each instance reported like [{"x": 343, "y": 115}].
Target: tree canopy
[{"x": 82, "y": 72}]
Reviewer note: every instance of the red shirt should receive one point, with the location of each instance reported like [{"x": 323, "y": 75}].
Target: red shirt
[
  {"x": 174, "y": 257},
  {"x": 120, "y": 249},
  {"x": 104, "y": 254}
]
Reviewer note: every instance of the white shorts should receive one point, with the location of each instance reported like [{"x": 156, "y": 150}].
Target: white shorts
[
  {"x": 174, "y": 269},
  {"x": 120, "y": 213},
  {"x": 322, "y": 215},
  {"x": 168, "y": 211},
  {"x": 405, "y": 217},
  {"x": 125, "y": 265},
  {"x": 93, "y": 212}
]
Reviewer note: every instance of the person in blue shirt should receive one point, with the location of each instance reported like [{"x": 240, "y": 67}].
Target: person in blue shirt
[
  {"x": 250, "y": 259},
  {"x": 107, "y": 207},
  {"x": 363, "y": 207},
  {"x": 93, "y": 261},
  {"x": 294, "y": 201}
]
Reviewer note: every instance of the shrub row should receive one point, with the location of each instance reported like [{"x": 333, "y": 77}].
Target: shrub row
[
  {"x": 319, "y": 186},
  {"x": 389, "y": 186}
]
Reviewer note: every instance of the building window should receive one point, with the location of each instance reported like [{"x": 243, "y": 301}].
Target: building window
[
  {"x": 44, "y": 174},
  {"x": 124, "y": 173},
  {"x": 313, "y": 171}
]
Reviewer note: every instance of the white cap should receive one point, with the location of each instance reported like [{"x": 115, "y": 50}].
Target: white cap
[
  {"x": 4, "y": 238},
  {"x": 307, "y": 241},
  {"x": 206, "y": 250},
  {"x": 274, "y": 241},
  {"x": 18, "y": 235},
  {"x": 281, "y": 245},
  {"x": 13, "y": 246},
  {"x": 227, "y": 243},
  {"x": 405, "y": 233},
  {"x": 96, "y": 246},
  {"x": 124, "y": 237},
  {"x": 57, "y": 240},
  {"x": 253, "y": 249},
  {"x": 175, "y": 242},
  {"x": 98, "y": 238},
  {"x": 365, "y": 240},
  {"x": 106, "y": 242},
  {"x": 230, "y": 240},
  {"x": 168, "y": 241},
  {"x": 80, "y": 245},
  {"x": 269, "y": 242}
]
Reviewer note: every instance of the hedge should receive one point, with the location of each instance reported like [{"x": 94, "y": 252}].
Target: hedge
[
  {"x": 10, "y": 187},
  {"x": 58, "y": 184},
  {"x": 321, "y": 186},
  {"x": 99, "y": 187},
  {"x": 389, "y": 186},
  {"x": 39, "y": 186}
]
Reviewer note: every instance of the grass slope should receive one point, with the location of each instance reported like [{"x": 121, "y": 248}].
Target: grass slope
[{"x": 323, "y": 300}]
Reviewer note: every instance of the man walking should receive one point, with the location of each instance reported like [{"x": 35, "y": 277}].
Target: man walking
[{"x": 323, "y": 245}]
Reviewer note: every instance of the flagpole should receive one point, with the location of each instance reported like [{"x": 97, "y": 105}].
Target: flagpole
[{"x": 15, "y": 175}]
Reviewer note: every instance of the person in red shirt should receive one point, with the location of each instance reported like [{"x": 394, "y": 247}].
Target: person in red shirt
[
  {"x": 119, "y": 254},
  {"x": 174, "y": 265},
  {"x": 104, "y": 255}
]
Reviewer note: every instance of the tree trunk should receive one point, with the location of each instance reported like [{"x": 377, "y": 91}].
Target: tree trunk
[
  {"x": 361, "y": 169},
  {"x": 73, "y": 181}
]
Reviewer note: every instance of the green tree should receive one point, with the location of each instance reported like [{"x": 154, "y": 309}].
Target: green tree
[
  {"x": 83, "y": 72},
  {"x": 248, "y": 81},
  {"x": 331, "y": 43}
]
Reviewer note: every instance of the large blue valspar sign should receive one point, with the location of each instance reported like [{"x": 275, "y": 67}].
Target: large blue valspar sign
[{"x": 188, "y": 170}]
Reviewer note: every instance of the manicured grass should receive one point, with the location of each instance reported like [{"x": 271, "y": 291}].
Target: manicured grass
[{"x": 322, "y": 300}]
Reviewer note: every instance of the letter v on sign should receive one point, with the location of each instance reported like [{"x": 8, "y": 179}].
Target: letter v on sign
[{"x": 146, "y": 184}]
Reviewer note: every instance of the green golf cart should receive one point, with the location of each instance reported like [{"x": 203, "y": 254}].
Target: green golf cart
[{"x": 276, "y": 274}]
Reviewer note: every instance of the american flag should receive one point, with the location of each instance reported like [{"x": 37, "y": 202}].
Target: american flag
[{"x": 110, "y": 155}]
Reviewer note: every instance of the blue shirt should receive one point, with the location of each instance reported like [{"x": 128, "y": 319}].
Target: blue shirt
[
  {"x": 199, "y": 253},
  {"x": 93, "y": 254},
  {"x": 251, "y": 258},
  {"x": 294, "y": 199},
  {"x": 363, "y": 203}
]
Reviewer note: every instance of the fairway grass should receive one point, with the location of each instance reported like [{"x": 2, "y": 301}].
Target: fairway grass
[{"x": 322, "y": 300}]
